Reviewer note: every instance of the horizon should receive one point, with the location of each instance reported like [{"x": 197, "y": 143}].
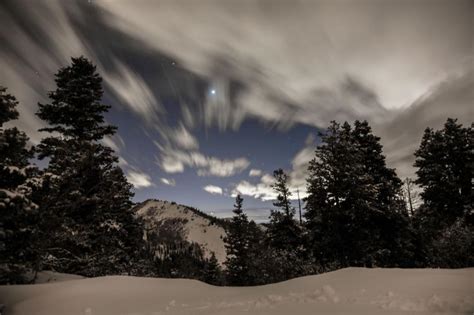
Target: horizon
[{"x": 208, "y": 106}]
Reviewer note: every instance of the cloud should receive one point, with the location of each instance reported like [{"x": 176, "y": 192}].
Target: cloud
[
  {"x": 170, "y": 165},
  {"x": 300, "y": 163},
  {"x": 255, "y": 172},
  {"x": 175, "y": 160},
  {"x": 114, "y": 142},
  {"x": 332, "y": 68},
  {"x": 184, "y": 139},
  {"x": 296, "y": 182},
  {"x": 215, "y": 190},
  {"x": 122, "y": 162},
  {"x": 221, "y": 168},
  {"x": 133, "y": 91},
  {"x": 169, "y": 182},
  {"x": 139, "y": 179},
  {"x": 324, "y": 45},
  {"x": 261, "y": 190},
  {"x": 402, "y": 135}
]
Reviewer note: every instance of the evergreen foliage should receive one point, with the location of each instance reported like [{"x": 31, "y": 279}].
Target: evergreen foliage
[
  {"x": 283, "y": 231},
  {"x": 445, "y": 221},
  {"x": 86, "y": 216},
  {"x": 445, "y": 162},
  {"x": 355, "y": 211},
  {"x": 17, "y": 211},
  {"x": 240, "y": 244}
]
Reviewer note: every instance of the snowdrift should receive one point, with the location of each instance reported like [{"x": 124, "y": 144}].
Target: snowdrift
[{"x": 347, "y": 291}]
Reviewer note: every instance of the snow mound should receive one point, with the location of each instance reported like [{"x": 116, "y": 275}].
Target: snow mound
[
  {"x": 347, "y": 291},
  {"x": 52, "y": 276}
]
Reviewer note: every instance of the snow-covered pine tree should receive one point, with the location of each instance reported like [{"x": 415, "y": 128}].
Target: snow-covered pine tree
[
  {"x": 353, "y": 208},
  {"x": 17, "y": 212},
  {"x": 87, "y": 221}
]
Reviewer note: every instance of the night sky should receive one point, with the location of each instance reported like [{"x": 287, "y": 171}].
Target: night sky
[{"x": 211, "y": 96}]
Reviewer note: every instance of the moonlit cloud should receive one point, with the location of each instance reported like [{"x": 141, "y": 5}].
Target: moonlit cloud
[
  {"x": 114, "y": 142},
  {"x": 254, "y": 172},
  {"x": 214, "y": 190},
  {"x": 168, "y": 181},
  {"x": 175, "y": 160},
  {"x": 332, "y": 71},
  {"x": 139, "y": 179},
  {"x": 184, "y": 139},
  {"x": 261, "y": 190},
  {"x": 133, "y": 92}
]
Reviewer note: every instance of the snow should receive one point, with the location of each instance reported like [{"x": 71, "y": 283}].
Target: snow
[
  {"x": 347, "y": 291},
  {"x": 196, "y": 228},
  {"x": 51, "y": 276}
]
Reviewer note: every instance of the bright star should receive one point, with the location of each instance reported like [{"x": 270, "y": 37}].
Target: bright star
[{"x": 213, "y": 92}]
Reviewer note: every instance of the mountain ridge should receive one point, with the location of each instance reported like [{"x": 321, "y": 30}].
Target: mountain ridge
[{"x": 172, "y": 223}]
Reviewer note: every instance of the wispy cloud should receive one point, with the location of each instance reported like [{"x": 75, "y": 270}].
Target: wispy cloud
[
  {"x": 175, "y": 161},
  {"x": 297, "y": 177},
  {"x": 215, "y": 190},
  {"x": 168, "y": 181},
  {"x": 114, "y": 142},
  {"x": 254, "y": 172},
  {"x": 183, "y": 138},
  {"x": 133, "y": 91},
  {"x": 139, "y": 179}
]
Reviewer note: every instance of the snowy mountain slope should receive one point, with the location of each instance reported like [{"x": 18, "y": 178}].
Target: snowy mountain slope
[
  {"x": 191, "y": 224},
  {"x": 347, "y": 291}
]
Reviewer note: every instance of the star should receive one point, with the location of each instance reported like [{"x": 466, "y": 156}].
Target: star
[{"x": 213, "y": 92}]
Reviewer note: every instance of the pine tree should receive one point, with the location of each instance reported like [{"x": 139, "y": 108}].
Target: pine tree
[
  {"x": 212, "y": 272},
  {"x": 445, "y": 220},
  {"x": 445, "y": 162},
  {"x": 285, "y": 250},
  {"x": 283, "y": 231},
  {"x": 85, "y": 201},
  {"x": 355, "y": 213},
  {"x": 390, "y": 215},
  {"x": 238, "y": 244},
  {"x": 17, "y": 212}
]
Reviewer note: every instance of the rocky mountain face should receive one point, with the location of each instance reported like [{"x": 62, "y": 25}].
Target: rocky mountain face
[{"x": 174, "y": 227}]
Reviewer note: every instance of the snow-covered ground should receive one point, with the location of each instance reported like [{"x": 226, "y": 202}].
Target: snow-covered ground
[
  {"x": 50, "y": 276},
  {"x": 347, "y": 291}
]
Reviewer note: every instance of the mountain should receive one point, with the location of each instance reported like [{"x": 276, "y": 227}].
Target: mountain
[{"x": 171, "y": 226}]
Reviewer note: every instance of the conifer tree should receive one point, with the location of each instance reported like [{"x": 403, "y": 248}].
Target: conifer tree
[
  {"x": 445, "y": 220},
  {"x": 212, "y": 273},
  {"x": 445, "y": 162},
  {"x": 355, "y": 212},
  {"x": 17, "y": 212},
  {"x": 238, "y": 246},
  {"x": 283, "y": 230},
  {"x": 85, "y": 203}
]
